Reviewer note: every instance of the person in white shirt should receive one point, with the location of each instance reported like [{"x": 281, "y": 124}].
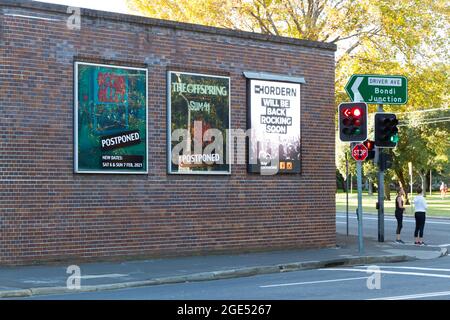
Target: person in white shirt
[{"x": 420, "y": 208}]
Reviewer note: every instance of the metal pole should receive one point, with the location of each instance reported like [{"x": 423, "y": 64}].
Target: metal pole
[
  {"x": 380, "y": 201},
  {"x": 346, "y": 186},
  {"x": 380, "y": 191},
  {"x": 360, "y": 211}
]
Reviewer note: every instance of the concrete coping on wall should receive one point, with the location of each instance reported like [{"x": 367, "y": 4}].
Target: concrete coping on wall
[
  {"x": 49, "y": 7},
  {"x": 273, "y": 77}
]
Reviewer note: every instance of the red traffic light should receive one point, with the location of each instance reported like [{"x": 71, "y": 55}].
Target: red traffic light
[
  {"x": 356, "y": 112},
  {"x": 352, "y": 121},
  {"x": 369, "y": 144},
  {"x": 347, "y": 112}
]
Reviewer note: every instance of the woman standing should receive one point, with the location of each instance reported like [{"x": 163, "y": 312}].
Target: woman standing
[
  {"x": 420, "y": 208},
  {"x": 399, "y": 208}
]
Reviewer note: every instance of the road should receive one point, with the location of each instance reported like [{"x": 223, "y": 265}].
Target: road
[
  {"x": 436, "y": 233},
  {"x": 424, "y": 279}
]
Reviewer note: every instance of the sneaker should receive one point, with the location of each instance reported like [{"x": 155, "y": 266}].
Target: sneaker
[
  {"x": 423, "y": 243},
  {"x": 417, "y": 243},
  {"x": 400, "y": 241}
]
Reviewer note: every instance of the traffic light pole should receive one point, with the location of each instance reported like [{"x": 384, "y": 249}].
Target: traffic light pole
[{"x": 380, "y": 191}]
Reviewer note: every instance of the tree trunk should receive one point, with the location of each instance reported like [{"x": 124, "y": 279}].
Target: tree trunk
[
  {"x": 387, "y": 190},
  {"x": 370, "y": 188},
  {"x": 344, "y": 185},
  {"x": 431, "y": 184},
  {"x": 403, "y": 184},
  {"x": 423, "y": 179}
]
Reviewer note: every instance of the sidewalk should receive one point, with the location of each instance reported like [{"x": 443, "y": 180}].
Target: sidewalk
[{"x": 40, "y": 280}]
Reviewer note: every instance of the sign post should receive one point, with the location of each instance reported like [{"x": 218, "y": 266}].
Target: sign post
[
  {"x": 380, "y": 192},
  {"x": 360, "y": 213},
  {"x": 359, "y": 153},
  {"x": 346, "y": 189}
]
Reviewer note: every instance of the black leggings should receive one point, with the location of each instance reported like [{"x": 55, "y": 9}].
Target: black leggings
[
  {"x": 420, "y": 224},
  {"x": 399, "y": 217}
]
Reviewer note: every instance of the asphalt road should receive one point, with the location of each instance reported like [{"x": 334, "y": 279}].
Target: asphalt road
[
  {"x": 436, "y": 232},
  {"x": 424, "y": 279}
]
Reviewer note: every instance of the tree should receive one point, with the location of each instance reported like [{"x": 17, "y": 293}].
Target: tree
[
  {"x": 411, "y": 29},
  {"x": 408, "y": 37}
]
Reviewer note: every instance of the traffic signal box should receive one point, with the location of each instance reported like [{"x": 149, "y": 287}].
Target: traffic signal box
[
  {"x": 370, "y": 145},
  {"x": 353, "y": 121},
  {"x": 386, "y": 131}
]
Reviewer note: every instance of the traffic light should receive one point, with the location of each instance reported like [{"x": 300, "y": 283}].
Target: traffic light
[
  {"x": 353, "y": 121},
  {"x": 386, "y": 131},
  {"x": 370, "y": 145},
  {"x": 385, "y": 161}
]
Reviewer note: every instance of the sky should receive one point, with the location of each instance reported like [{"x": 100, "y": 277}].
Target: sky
[{"x": 104, "y": 5}]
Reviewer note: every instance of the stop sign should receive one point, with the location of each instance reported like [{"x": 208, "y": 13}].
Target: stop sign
[{"x": 359, "y": 152}]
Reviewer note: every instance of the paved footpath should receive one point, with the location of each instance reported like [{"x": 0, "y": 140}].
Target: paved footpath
[{"x": 45, "y": 280}]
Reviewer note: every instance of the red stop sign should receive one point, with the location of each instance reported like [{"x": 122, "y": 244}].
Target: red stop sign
[{"x": 360, "y": 152}]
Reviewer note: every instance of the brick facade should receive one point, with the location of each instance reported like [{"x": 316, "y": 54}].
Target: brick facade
[{"x": 49, "y": 213}]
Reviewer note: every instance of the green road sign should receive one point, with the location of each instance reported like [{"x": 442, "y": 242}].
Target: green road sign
[{"x": 378, "y": 89}]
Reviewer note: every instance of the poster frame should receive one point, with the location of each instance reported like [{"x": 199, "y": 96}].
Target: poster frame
[
  {"x": 75, "y": 120},
  {"x": 169, "y": 122},
  {"x": 250, "y": 76}
]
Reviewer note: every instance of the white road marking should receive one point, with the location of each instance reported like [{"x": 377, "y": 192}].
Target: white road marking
[
  {"x": 96, "y": 276},
  {"x": 390, "y": 219},
  {"x": 415, "y": 296},
  {"x": 420, "y": 274},
  {"x": 310, "y": 282},
  {"x": 417, "y": 268}
]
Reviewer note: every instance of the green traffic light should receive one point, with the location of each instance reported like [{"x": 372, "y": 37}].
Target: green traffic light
[{"x": 394, "y": 138}]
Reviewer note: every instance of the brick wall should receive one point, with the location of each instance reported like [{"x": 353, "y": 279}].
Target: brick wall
[{"x": 48, "y": 213}]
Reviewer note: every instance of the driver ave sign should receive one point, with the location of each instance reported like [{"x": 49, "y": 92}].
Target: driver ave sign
[{"x": 360, "y": 152}]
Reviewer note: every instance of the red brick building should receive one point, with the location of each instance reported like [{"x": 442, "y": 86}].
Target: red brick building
[{"x": 49, "y": 213}]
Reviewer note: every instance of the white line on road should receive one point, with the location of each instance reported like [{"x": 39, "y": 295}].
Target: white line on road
[
  {"x": 390, "y": 219},
  {"x": 111, "y": 275},
  {"x": 310, "y": 282},
  {"x": 416, "y": 268},
  {"x": 420, "y": 274},
  {"x": 415, "y": 296}
]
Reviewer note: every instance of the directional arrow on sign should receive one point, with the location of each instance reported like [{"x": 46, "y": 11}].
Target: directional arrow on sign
[
  {"x": 356, "y": 94},
  {"x": 378, "y": 89}
]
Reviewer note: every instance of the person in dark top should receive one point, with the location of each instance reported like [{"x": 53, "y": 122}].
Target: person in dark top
[{"x": 399, "y": 208}]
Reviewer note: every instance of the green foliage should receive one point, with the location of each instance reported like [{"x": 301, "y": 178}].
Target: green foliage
[{"x": 406, "y": 37}]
